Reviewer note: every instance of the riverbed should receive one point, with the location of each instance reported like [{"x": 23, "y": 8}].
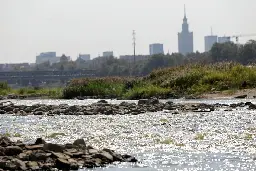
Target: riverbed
[{"x": 218, "y": 140}]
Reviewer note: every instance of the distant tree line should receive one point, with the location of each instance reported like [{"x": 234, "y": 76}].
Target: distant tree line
[{"x": 111, "y": 66}]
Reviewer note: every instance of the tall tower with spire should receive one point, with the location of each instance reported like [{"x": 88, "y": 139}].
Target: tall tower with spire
[{"x": 185, "y": 38}]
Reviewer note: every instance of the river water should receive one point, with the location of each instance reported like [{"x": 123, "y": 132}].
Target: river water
[{"x": 220, "y": 140}]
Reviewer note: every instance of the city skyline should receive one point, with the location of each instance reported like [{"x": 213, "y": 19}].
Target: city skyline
[{"x": 31, "y": 27}]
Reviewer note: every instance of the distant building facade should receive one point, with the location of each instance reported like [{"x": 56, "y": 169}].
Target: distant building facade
[
  {"x": 108, "y": 54},
  {"x": 223, "y": 39},
  {"x": 85, "y": 57},
  {"x": 45, "y": 57},
  {"x": 209, "y": 41},
  {"x": 185, "y": 38},
  {"x": 48, "y": 57},
  {"x": 156, "y": 48}
]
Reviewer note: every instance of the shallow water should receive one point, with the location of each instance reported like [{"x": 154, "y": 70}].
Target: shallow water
[{"x": 189, "y": 141}]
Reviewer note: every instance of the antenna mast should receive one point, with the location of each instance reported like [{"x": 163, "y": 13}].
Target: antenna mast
[{"x": 134, "y": 45}]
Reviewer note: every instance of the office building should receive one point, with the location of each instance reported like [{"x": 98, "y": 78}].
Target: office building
[
  {"x": 108, "y": 54},
  {"x": 209, "y": 41},
  {"x": 49, "y": 57},
  {"x": 45, "y": 57},
  {"x": 185, "y": 37},
  {"x": 156, "y": 48},
  {"x": 85, "y": 57},
  {"x": 223, "y": 39}
]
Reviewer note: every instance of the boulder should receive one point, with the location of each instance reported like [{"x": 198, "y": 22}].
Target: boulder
[
  {"x": 34, "y": 147},
  {"x": 128, "y": 158},
  {"x": 104, "y": 156},
  {"x": 62, "y": 164},
  {"x": 142, "y": 101},
  {"x": 32, "y": 165},
  {"x": 241, "y": 97},
  {"x": 39, "y": 156},
  {"x": 2, "y": 151},
  {"x": 19, "y": 164},
  {"x": 102, "y": 101},
  {"x": 5, "y": 141},
  {"x": 38, "y": 113},
  {"x": 40, "y": 141},
  {"x": 12, "y": 150},
  {"x": 79, "y": 142},
  {"x": 53, "y": 147}
]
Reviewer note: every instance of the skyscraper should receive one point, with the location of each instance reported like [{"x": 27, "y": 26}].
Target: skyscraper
[
  {"x": 156, "y": 48},
  {"x": 185, "y": 38},
  {"x": 209, "y": 41}
]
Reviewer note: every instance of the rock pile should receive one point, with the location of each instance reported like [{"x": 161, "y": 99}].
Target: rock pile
[
  {"x": 48, "y": 156},
  {"x": 104, "y": 108}
]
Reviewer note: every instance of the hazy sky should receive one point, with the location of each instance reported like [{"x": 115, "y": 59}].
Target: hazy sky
[{"x": 29, "y": 27}]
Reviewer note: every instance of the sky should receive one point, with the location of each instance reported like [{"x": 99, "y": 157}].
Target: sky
[{"x": 29, "y": 27}]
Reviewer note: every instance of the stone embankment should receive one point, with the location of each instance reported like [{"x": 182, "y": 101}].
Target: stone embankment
[
  {"x": 102, "y": 107},
  {"x": 48, "y": 156}
]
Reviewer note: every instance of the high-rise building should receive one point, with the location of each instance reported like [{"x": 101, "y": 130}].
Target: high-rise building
[
  {"x": 185, "y": 38},
  {"x": 223, "y": 39},
  {"x": 108, "y": 54},
  {"x": 85, "y": 57},
  {"x": 209, "y": 41},
  {"x": 156, "y": 48},
  {"x": 45, "y": 57}
]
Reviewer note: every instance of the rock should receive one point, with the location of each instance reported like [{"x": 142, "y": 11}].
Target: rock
[
  {"x": 39, "y": 156},
  {"x": 62, "y": 164},
  {"x": 5, "y": 141},
  {"x": 8, "y": 109},
  {"x": 116, "y": 157},
  {"x": 19, "y": 164},
  {"x": 252, "y": 106},
  {"x": 241, "y": 97},
  {"x": 79, "y": 142},
  {"x": 61, "y": 155},
  {"x": 248, "y": 103},
  {"x": 104, "y": 156},
  {"x": 126, "y": 104},
  {"x": 32, "y": 165},
  {"x": 2, "y": 112},
  {"x": 38, "y": 113},
  {"x": 53, "y": 147},
  {"x": 34, "y": 147},
  {"x": 142, "y": 101},
  {"x": 128, "y": 158},
  {"x": 153, "y": 101},
  {"x": 102, "y": 101},
  {"x": 40, "y": 141},
  {"x": 12, "y": 150},
  {"x": 2, "y": 151}
]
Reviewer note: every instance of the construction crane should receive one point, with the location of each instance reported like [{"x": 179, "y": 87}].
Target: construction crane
[{"x": 241, "y": 35}]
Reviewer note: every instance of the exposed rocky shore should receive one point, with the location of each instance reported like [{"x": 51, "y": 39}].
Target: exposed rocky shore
[
  {"x": 102, "y": 107},
  {"x": 48, "y": 156}
]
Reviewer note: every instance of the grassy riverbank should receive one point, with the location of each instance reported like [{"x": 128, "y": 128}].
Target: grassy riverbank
[
  {"x": 31, "y": 91},
  {"x": 188, "y": 80},
  {"x": 170, "y": 82}
]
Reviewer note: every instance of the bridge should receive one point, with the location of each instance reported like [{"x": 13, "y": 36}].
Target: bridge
[{"x": 35, "y": 78}]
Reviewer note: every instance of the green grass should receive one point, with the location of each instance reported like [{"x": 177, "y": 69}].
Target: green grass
[
  {"x": 200, "y": 136},
  {"x": 31, "y": 91},
  {"x": 179, "y": 81},
  {"x": 146, "y": 91},
  {"x": 194, "y": 79},
  {"x": 55, "y": 135}
]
